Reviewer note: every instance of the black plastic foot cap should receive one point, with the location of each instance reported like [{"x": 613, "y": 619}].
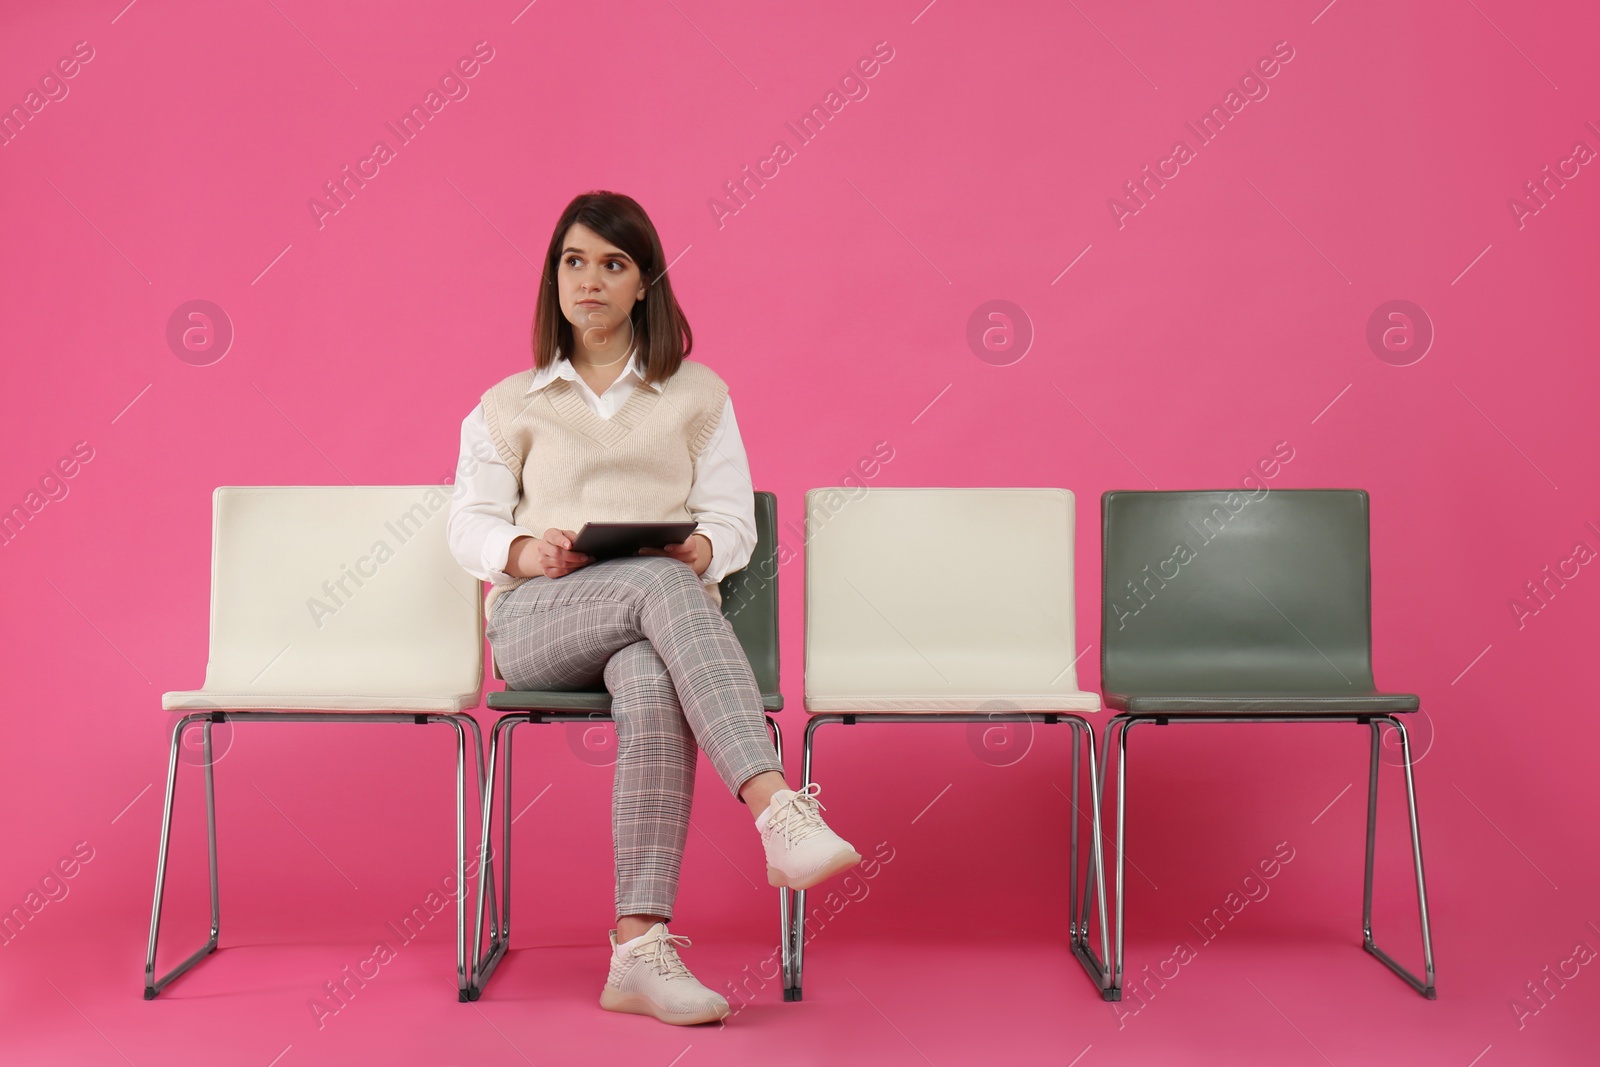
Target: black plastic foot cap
[
  {"x": 149, "y": 992},
  {"x": 1111, "y": 994}
]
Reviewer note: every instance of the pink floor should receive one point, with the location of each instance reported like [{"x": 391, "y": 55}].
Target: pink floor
[
  {"x": 1282, "y": 997},
  {"x": 915, "y": 964}
]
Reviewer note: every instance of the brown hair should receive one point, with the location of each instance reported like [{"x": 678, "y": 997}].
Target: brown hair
[{"x": 662, "y": 331}]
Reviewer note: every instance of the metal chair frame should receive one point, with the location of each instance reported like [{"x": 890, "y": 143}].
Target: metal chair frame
[
  {"x": 1122, "y": 723},
  {"x": 794, "y": 912},
  {"x": 460, "y": 722},
  {"x": 752, "y": 588},
  {"x": 483, "y": 966}
]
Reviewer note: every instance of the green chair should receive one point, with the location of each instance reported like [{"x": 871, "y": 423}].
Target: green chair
[
  {"x": 749, "y": 603},
  {"x": 1246, "y": 607}
]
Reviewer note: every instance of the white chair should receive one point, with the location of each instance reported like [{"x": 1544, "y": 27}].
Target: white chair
[
  {"x": 332, "y": 604},
  {"x": 901, "y": 629}
]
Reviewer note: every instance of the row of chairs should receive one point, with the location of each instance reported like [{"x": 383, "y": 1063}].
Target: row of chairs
[{"x": 343, "y": 604}]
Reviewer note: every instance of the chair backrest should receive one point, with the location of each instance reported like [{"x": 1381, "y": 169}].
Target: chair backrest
[
  {"x": 1224, "y": 591},
  {"x": 750, "y": 598},
  {"x": 340, "y": 590},
  {"x": 938, "y": 593}
]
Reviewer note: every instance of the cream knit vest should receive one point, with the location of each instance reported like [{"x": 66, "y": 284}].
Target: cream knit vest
[{"x": 577, "y": 467}]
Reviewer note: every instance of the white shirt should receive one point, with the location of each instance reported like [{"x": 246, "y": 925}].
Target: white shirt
[{"x": 479, "y": 527}]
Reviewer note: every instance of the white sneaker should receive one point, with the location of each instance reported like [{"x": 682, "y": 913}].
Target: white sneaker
[
  {"x": 648, "y": 978},
  {"x": 801, "y": 850}
]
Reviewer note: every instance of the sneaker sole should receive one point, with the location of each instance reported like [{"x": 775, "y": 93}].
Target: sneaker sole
[
  {"x": 842, "y": 861},
  {"x": 639, "y": 1004}
]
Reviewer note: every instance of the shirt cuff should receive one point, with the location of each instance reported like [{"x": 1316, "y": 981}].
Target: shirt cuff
[
  {"x": 714, "y": 571},
  {"x": 497, "y": 549}
]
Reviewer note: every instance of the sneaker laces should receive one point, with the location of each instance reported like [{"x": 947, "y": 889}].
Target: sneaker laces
[
  {"x": 662, "y": 953},
  {"x": 797, "y": 816}
]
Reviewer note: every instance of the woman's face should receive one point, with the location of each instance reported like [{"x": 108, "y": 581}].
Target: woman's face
[{"x": 598, "y": 284}]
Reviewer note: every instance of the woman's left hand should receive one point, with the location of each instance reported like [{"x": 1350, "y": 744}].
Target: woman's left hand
[{"x": 696, "y": 552}]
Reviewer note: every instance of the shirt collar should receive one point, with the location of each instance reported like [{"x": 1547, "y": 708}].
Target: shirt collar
[{"x": 563, "y": 368}]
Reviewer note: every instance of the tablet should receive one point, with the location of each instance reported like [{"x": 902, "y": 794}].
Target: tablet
[{"x": 606, "y": 540}]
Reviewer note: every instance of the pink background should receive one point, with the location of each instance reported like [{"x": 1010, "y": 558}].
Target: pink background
[{"x": 1228, "y": 315}]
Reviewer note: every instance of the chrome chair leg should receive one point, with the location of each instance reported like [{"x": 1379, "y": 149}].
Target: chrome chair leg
[
  {"x": 1120, "y": 725},
  {"x": 1424, "y": 985},
  {"x": 1072, "y": 848},
  {"x": 1372, "y": 833},
  {"x": 500, "y": 746},
  {"x": 152, "y": 984},
  {"x": 784, "y": 895},
  {"x": 1097, "y": 861},
  {"x": 1122, "y": 810},
  {"x": 777, "y": 736},
  {"x": 482, "y": 865},
  {"x": 463, "y": 981},
  {"x": 1110, "y": 966},
  {"x": 505, "y": 828},
  {"x": 795, "y": 943},
  {"x": 794, "y": 932},
  {"x": 1098, "y": 968},
  {"x": 499, "y": 917},
  {"x": 485, "y": 812},
  {"x": 211, "y": 829}
]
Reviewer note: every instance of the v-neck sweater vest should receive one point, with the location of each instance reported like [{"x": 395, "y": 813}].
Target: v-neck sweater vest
[{"x": 575, "y": 466}]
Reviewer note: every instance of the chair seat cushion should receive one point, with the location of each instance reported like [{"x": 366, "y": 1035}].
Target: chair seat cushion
[
  {"x": 579, "y": 700},
  {"x": 1262, "y": 703},
  {"x": 970, "y": 702},
  {"x": 217, "y": 700},
  {"x": 550, "y": 700}
]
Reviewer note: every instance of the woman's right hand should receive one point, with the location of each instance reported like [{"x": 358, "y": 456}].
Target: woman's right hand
[{"x": 550, "y": 555}]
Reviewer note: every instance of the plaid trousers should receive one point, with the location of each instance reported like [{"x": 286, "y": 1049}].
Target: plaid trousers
[{"x": 679, "y": 682}]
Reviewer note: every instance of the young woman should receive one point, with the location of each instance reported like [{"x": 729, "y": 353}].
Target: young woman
[{"x": 612, "y": 424}]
